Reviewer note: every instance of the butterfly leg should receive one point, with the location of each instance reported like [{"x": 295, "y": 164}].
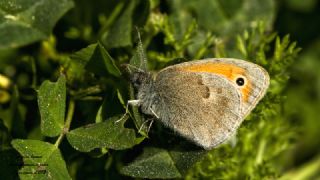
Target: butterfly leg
[
  {"x": 150, "y": 125},
  {"x": 132, "y": 103},
  {"x": 151, "y": 122},
  {"x": 154, "y": 113}
]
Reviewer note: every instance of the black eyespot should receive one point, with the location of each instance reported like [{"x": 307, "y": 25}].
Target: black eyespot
[{"x": 240, "y": 81}]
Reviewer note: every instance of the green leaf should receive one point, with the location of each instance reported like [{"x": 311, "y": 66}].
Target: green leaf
[
  {"x": 109, "y": 62},
  {"x": 28, "y": 21},
  {"x": 52, "y": 106},
  {"x": 153, "y": 163},
  {"x": 109, "y": 134},
  {"x": 184, "y": 159},
  {"x": 226, "y": 17},
  {"x": 98, "y": 60},
  {"x": 99, "y": 115},
  {"x": 136, "y": 61},
  {"x": 119, "y": 34},
  {"x": 160, "y": 163},
  {"x": 41, "y": 160},
  {"x": 83, "y": 56},
  {"x": 75, "y": 68}
]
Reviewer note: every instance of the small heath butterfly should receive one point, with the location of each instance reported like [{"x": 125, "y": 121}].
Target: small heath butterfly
[{"x": 205, "y": 100}]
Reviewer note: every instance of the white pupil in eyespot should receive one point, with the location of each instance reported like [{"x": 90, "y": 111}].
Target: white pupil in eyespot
[{"x": 240, "y": 81}]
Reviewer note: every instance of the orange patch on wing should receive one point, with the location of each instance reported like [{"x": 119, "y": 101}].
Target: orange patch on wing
[
  {"x": 228, "y": 70},
  {"x": 246, "y": 91}
]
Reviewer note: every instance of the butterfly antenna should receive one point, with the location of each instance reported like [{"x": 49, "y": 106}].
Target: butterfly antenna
[{"x": 143, "y": 59}]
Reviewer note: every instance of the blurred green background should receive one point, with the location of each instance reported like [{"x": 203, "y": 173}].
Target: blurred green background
[
  {"x": 169, "y": 29},
  {"x": 301, "y": 20}
]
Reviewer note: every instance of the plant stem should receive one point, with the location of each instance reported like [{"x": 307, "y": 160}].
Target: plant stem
[{"x": 67, "y": 122}]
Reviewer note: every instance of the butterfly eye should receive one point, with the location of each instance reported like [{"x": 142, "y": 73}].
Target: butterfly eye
[{"x": 240, "y": 81}]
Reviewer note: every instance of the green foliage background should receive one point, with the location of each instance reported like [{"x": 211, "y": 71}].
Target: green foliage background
[{"x": 63, "y": 86}]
